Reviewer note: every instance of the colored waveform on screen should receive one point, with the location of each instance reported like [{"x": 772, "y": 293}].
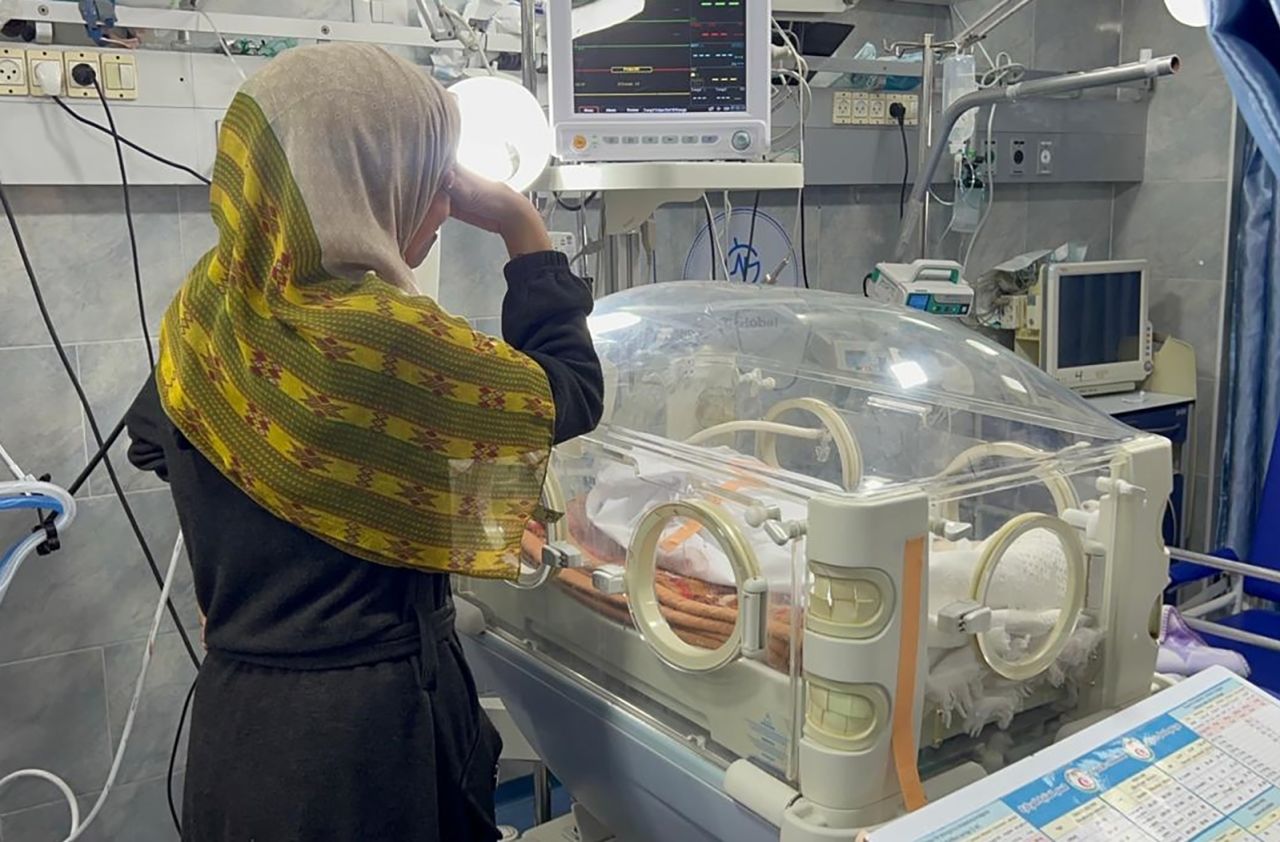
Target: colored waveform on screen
[{"x": 678, "y": 55}]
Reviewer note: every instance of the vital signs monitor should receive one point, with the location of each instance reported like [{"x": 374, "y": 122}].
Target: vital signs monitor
[
  {"x": 682, "y": 80},
  {"x": 1097, "y": 337}
]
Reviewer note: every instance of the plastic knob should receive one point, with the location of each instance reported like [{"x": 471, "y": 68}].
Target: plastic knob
[{"x": 741, "y": 141}]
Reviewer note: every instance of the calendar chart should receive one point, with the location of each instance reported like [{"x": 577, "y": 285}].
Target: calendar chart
[{"x": 1199, "y": 762}]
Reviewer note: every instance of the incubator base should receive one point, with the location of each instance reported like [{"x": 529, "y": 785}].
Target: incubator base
[
  {"x": 657, "y": 787},
  {"x": 736, "y": 707}
]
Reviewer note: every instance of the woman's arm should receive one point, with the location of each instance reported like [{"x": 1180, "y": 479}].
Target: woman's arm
[
  {"x": 545, "y": 311},
  {"x": 544, "y": 315},
  {"x": 146, "y": 423}
]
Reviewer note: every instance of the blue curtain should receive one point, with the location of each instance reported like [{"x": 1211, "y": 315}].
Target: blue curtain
[
  {"x": 1245, "y": 35},
  {"x": 1253, "y": 363}
]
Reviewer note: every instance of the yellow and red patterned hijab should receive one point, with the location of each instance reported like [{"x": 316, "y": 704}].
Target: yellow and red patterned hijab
[{"x": 295, "y": 358}]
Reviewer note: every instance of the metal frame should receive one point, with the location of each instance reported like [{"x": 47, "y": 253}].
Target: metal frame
[
  {"x": 1233, "y": 599},
  {"x": 270, "y": 26}
]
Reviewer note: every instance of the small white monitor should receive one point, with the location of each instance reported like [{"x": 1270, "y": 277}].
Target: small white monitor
[
  {"x": 679, "y": 80},
  {"x": 1096, "y": 330}
]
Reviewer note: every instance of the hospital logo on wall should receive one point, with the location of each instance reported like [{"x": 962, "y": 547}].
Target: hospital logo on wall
[{"x": 749, "y": 256}]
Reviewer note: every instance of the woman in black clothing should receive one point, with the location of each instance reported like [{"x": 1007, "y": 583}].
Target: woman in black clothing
[{"x": 334, "y": 702}]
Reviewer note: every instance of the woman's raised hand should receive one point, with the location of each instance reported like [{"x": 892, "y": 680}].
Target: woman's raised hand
[{"x": 495, "y": 207}]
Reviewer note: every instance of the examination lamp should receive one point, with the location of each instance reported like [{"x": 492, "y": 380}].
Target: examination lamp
[
  {"x": 594, "y": 15},
  {"x": 505, "y": 136},
  {"x": 1190, "y": 12}
]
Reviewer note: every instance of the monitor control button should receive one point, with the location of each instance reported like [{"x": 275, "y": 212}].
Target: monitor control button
[{"x": 741, "y": 141}]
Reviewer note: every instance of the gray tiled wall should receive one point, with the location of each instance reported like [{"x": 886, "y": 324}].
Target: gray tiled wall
[{"x": 72, "y": 625}]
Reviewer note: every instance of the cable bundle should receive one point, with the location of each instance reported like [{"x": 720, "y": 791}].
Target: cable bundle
[{"x": 31, "y": 494}]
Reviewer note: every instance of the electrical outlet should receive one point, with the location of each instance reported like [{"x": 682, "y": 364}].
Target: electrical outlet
[
  {"x": 1044, "y": 161},
  {"x": 861, "y": 109},
  {"x": 74, "y": 59},
  {"x": 13, "y": 72},
  {"x": 842, "y": 108},
  {"x": 564, "y": 241},
  {"x": 51, "y": 62},
  {"x": 1017, "y": 156},
  {"x": 908, "y": 102}
]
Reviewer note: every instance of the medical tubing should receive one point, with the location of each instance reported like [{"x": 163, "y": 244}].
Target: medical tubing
[
  {"x": 1059, "y": 487},
  {"x": 846, "y": 442},
  {"x": 730, "y": 427},
  {"x": 13, "y": 466},
  {"x": 77, "y": 827},
  {"x": 1066, "y": 83},
  {"x": 50, "y": 497}
]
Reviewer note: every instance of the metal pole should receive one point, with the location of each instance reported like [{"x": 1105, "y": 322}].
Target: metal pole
[
  {"x": 541, "y": 795},
  {"x": 529, "y": 46},
  {"x": 1103, "y": 77},
  {"x": 1230, "y": 633},
  {"x": 983, "y": 26},
  {"x": 926, "y": 131},
  {"x": 1227, "y": 565}
]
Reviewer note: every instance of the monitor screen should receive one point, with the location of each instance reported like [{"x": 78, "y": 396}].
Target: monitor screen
[
  {"x": 675, "y": 57},
  {"x": 1099, "y": 319}
]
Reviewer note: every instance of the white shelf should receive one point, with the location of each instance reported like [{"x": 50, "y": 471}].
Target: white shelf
[{"x": 672, "y": 176}]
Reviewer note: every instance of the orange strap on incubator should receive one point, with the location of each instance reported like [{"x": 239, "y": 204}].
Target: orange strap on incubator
[
  {"x": 672, "y": 542},
  {"x": 904, "y": 715}
]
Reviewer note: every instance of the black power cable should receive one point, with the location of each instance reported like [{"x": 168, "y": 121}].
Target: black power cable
[
  {"x": 804, "y": 244},
  {"x": 173, "y": 757},
  {"x": 580, "y": 206},
  {"x": 104, "y": 447},
  {"x": 129, "y": 143},
  {"x": 80, "y": 73},
  {"x": 898, "y": 111},
  {"x": 751, "y": 237},
  {"x": 89, "y": 414},
  {"x": 711, "y": 236}
]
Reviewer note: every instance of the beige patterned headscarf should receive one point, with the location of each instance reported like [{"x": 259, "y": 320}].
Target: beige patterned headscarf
[{"x": 396, "y": 145}]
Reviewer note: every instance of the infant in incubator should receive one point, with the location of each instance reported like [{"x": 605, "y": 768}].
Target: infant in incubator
[{"x": 1025, "y": 596}]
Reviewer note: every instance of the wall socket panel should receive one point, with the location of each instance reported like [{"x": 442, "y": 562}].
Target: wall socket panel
[
  {"x": 13, "y": 72},
  {"x": 871, "y": 108},
  {"x": 117, "y": 72},
  {"x": 564, "y": 241}
]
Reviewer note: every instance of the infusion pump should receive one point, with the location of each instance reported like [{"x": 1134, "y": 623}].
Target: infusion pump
[
  {"x": 682, "y": 80},
  {"x": 933, "y": 286}
]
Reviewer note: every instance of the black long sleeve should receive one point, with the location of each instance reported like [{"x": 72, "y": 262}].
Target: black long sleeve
[
  {"x": 148, "y": 431},
  {"x": 544, "y": 315}
]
